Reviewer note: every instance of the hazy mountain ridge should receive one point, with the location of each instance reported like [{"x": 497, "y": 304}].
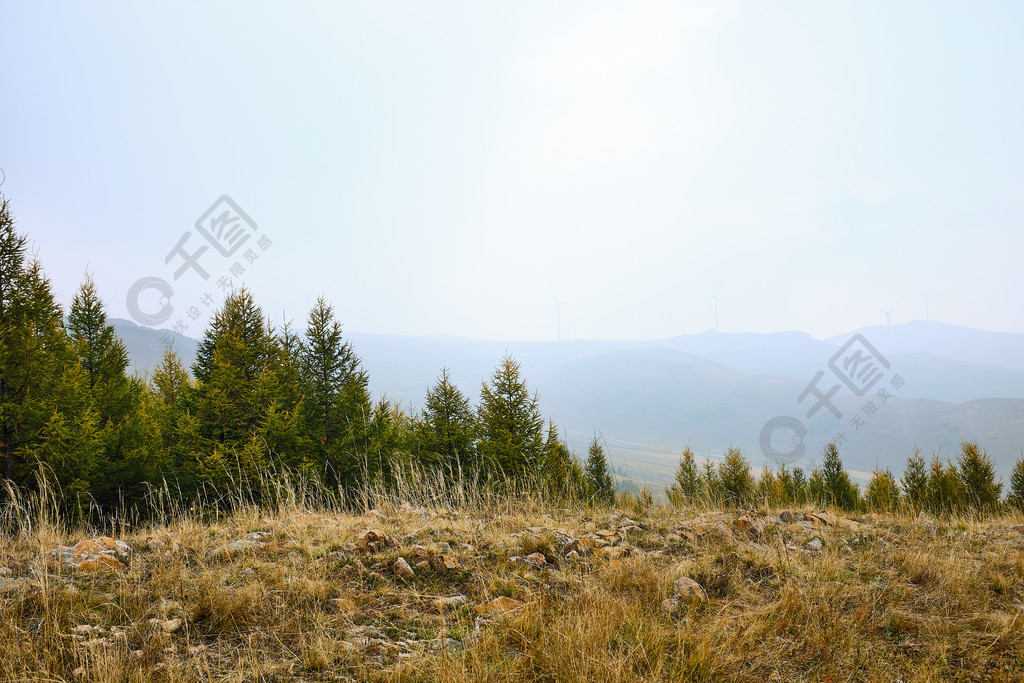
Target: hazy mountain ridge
[{"x": 713, "y": 390}]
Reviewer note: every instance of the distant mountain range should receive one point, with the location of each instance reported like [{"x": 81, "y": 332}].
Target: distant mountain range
[{"x": 714, "y": 390}]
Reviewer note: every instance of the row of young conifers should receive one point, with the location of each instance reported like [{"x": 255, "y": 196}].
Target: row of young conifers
[
  {"x": 261, "y": 405},
  {"x": 967, "y": 486}
]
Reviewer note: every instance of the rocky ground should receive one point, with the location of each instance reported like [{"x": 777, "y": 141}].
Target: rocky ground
[{"x": 405, "y": 593}]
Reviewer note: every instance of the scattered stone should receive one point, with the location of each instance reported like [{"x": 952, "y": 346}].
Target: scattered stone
[
  {"x": 373, "y": 540},
  {"x": 814, "y": 544},
  {"x": 788, "y": 516},
  {"x": 670, "y": 605},
  {"x": 498, "y": 605},
  {"x": 445, "y": 563},
  {"x": 685, "y": 587},
  {"x": 92, "y": 554},
  {"x": 401, "y": 568},
  {"x": 536, "y": 559},
  {"x": 794, "y": 528},
  {"x": 747, "y": 525}
]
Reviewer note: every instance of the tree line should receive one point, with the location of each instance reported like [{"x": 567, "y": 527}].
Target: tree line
[
  {"x": 257, "y": 400},
  {"x": 942, "y": 487}
]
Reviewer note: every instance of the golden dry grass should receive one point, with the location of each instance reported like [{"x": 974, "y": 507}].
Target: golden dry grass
[{"x": 892, "y": 600}]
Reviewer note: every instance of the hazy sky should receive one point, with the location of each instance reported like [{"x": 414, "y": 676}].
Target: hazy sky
[{"x": 456, "y": 168}]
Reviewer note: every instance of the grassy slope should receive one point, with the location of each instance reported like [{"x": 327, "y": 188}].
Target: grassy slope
[{"x": 893, "y": 600}]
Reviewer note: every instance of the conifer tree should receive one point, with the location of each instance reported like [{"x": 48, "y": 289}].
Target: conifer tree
[
  {"x": 838, "y": 489},
  {"x": 511, "y": 426},
  {"x": 602, "y": 486},
  {"x": 1016, "y": 497},
  {"x": 46, "y": 415},
  {"x": 882, "y": 494},
  {"x": 125, "y": 459},
  {"x": 978, "y": 478},
  {"x": 945, "y": 489},
  {"x": 447, "y": 428},
  {"x": 687, "y": 480},
  {"x": 337, "y": 409},
  {"x": 561, "y": 473},
  {"x": 915, "y": 482},
  {"x": 736, "y": 480}
]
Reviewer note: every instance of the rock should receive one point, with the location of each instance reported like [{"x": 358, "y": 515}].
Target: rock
[
  {"x": 373, "y": 540},
  {"x": 401, "y": 568},
  {"x": 788, "y": 516},
  {"x": 101, "y": 562},
  {"x": 847, "y": 524},
  {"x": 686, "y": 587},
  {"x": 572, "y": 556},
  {"x": 498, "y": 605},
  {"x": 536, "y": 559},
  {"x": 670, "y": 605},
  {"x": 794, "y": 528},
  {"x": 747, "y": 525},
  {"x": 814, "y": 544},
  {"x": 445, "y": 563}
]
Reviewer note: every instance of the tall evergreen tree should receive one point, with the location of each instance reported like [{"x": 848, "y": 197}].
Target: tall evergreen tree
[
  {"x": 838, "y": 489},
  {"x": 125, "y": 463},
  {"x": 602, "y": 486},
  {"x": 882, "y": 494},
  {"x": 687, "y": 483},
  {"x": 447, "y": 428},
  {"x": 978, "y": 477},
  {"x": 945, "y": 489},
  {"x": 337, "y": 409},
  {"x": 511, "y": 426},
  {"x": 736, "y": 480},
  {"x": 561, "y": 473},
  {"x": 915, "y": 482},
  {"x": 1016, "y": 497},
  {"x": 46, "y": 416}
]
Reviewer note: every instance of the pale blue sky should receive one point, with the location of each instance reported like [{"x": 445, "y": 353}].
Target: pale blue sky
[{"x": 454, "y": 168}]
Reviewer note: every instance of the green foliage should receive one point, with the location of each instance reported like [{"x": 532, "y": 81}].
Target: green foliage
[
  {"x": 915, "y": 482},
  {"x": 945, "y": 492},
  {"x": 978, "y": 478},
  {"x": 511, "y": 426},
  {"x": 447, "y": 429},
  {"x": 561, "y": 473},
  {"x": 735, "y": 479},
  {"x": 337, "y": 416},
  {"x": 688, "y": 483},
  {"x": 1016, "y": 497},
  {"x": 882, "y": 494},
  {"x": 599, "y": 479},
  {"x": 837, "y": 489}
]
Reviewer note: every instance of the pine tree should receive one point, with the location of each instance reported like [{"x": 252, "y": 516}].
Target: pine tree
[
  {"x": 562, "y": 475},
  {"x": 241, "y": 412},
  {"x": 838, "y": 489},
  {"x": 915, "y": 482},
  {"x": 511, "y": 426},
  {"x": 687, "y": 481},
  {"x": 337, "y": 407},
  {"x": 978, "y": 476},
  {"x": 882, "y": 494},
  {"x": 447, "y": 429},
  {"x": 1016, "y": 497},
  {"x": 602, "y": 486},
  {"x": 736, "y": 480},
  {"x": 945, "y": 489},
  {"x": 46, "y": 415},
  {"x": 125, "y": 461},
  {"x": 800, "y": 487}
]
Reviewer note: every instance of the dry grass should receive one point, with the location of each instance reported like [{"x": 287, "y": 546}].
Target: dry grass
[{"x": 892, "y": 600}]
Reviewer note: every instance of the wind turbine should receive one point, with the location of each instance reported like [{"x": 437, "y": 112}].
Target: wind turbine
[{"x": 888, "y": 315}]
